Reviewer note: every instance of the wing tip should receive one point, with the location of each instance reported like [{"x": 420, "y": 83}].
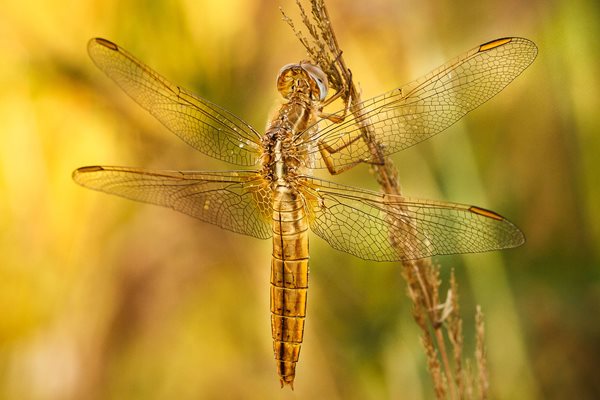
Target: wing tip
[
  {"x": 524, "y": 42},
  {"x": 494, "y": 43},
  {"x": 84, "y": 170},
  {"x": 517, "y": 236},
  {"x": 486, "y": 213},
  {"x": 103, "y": 42},
  {"x": 90, "y": 168}
]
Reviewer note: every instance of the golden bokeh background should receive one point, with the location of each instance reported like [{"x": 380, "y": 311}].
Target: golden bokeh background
[{"x": 105, "y": 298}]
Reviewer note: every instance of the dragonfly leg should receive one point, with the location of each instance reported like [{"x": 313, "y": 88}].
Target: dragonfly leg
[
  {"x": 335, "y": 118},
  {"x": 327, "y": 150},
  {"x": 344, "y": 92}
]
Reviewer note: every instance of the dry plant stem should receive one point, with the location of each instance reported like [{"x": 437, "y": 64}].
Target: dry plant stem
[
  {"x": 422, "y": 276},
  {"x": 455, "y": 336},
  {"x": 423, "y": 286},
  {"x": 481, "y": 356}
]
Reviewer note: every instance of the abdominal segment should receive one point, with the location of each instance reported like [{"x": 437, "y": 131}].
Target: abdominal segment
[{"x": 289, "y": 281}]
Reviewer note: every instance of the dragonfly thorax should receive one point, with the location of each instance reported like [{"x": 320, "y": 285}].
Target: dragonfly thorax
[
  {"x": 281, "y": 162},
  {"x": 302, "y": 78},
  {"x": 304, "y": 86}
]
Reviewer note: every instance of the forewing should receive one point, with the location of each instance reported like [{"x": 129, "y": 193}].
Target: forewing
[
  {"x": 201, "y": 124},
  {"x": 415, "y": 112},
  {"x": 238, "y": 200},
  {"x": 380, "y": 227}
]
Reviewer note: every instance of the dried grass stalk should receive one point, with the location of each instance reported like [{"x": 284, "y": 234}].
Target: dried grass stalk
[{"x": 440, "y": 323}]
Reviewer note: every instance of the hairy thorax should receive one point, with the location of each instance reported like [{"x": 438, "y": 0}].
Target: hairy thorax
[{"x": 282, "y": 159}]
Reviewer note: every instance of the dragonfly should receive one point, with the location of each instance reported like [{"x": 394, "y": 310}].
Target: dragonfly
[{"x": 275, "y": 196}]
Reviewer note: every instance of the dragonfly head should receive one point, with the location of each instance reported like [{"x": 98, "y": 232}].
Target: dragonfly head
[{"x": 303, "y": 77}]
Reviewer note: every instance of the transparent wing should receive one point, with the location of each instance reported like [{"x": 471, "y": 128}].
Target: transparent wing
[
  {"x": 380, "y": 227},
  {"x": 238, "y": 200},
  {"x": 201, "y": 124},
  {"x": 408, "y": 115}
]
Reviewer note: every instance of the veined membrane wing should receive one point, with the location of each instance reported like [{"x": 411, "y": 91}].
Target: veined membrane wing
[
  {"x": 280, "y": 200},
  {"x": 406, "y": 116},
  {"x": 203, "y": 125},
  {"x": 380, "y": 227},
  {"x": 239, "y": 201}
]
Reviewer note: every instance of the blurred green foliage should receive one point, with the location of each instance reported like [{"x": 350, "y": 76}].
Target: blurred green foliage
[{"x": 105, "y": 298}]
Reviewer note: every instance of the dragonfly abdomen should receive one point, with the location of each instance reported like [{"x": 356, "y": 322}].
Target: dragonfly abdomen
[{"x": 289, "y": 280}]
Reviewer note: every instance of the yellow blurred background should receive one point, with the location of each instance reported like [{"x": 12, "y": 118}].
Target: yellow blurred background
[{"x": 105, "y": 298}]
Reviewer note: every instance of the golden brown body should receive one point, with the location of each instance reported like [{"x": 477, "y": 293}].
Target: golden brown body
[
  {"x": 289, "y": 265},
  {"x": 289, "y": 280},
  {"x": 281, "y": 200}
]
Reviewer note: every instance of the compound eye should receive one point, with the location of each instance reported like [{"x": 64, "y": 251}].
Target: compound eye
[
  {"x": 318, "y": 77},
  {"x": 322, "y": 87},
  {"x": 284, "y": 79}
]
